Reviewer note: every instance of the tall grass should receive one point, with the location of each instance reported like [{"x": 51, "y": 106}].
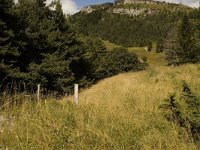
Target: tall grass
[{"x": 120, "y": 112}]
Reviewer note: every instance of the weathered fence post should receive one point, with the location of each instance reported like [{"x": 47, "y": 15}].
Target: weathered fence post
[
  {"x": 76, "y": 94},
  {"x": 38, "y": 92}
]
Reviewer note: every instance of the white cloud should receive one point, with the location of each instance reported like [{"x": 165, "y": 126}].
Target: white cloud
[
  {"x": 192, "y": 3},
  {"x": 69, "y": 6}
]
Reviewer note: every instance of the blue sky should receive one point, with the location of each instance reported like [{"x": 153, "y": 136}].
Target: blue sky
[{"x": 81, "y": 3}]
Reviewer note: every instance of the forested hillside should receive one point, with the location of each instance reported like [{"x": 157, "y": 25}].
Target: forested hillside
[{"x": 129, "y": 24}]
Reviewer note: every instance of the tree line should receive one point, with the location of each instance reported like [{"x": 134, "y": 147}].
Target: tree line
[
  {"x": 38, "y": 44},
  {"x": 182, "y": 44}
]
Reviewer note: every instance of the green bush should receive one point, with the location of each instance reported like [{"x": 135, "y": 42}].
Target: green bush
[
  {"x": 149, "y": 47},
  {"x": 144, "y": 58},
  {"x": 159, "y": 47},
  {"x": 116, "y": 61}
]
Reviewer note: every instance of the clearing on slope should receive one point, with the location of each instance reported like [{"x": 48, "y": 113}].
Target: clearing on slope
[{"x": 154, "y": 59}]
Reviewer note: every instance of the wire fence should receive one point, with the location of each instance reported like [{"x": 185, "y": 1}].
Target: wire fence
[{"x": 16, "y": 93}]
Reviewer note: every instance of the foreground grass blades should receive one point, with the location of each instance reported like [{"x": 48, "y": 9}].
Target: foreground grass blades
[{"x": 118, "y": 113}]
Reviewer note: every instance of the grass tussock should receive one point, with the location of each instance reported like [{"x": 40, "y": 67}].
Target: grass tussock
[{"x": 121, "y": 112}]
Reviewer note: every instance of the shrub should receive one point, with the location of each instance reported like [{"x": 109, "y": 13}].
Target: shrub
[
  {"x": 185, "y": 113},
  {"x": 192, "y": 111},
  {"x": 149, "y": 46},
  {"x": 144, "y": 58},
  {"x": 116, "y": 61},
  {"x": 172, "y": 109},
  {"x": 160, "y": 47}
]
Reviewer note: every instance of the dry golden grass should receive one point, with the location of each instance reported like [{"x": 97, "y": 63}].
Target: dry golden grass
[
  {"x": 121, "y": 112},
  {"x": 135, "y": 98},
  {"x": 147, "y": 87},
  {"x": 154, "y": 59}
]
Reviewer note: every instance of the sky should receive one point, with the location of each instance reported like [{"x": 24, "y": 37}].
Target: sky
[{"x": 73, "y": 6}]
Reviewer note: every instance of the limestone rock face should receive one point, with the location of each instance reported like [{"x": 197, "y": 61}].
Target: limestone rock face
[
  {"x": 87, "y": 9},
  {"x": 137, "y": 1},
  {"x": 133, "y": 12}
]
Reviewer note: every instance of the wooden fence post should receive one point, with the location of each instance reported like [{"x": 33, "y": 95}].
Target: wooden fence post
[
  {"x": 76, "y": 94},
  {"x": 38, "y": 92}
]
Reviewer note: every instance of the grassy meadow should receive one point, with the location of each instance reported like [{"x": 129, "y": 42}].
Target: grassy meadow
[
  {"x": 154, "y": 59},
  {"x": 110, "y": 46},
  {"x": 121, "y": 112}
]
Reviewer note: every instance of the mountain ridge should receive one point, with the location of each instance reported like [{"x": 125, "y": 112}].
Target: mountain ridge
[
  {"x": 129, "y": 24},
  {"x": 129, "y": 3}
]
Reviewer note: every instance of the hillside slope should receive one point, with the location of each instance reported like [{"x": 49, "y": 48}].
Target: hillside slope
[
  {"x": 134, "y": 99},
  {"x": 146, "y": 89},
  {"x": 129, "y": 24},
  {"x": 153, "y": 59},
  {"x": 120, "y": 112}
]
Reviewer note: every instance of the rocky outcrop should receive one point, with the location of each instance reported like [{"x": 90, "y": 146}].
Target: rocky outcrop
[
  {"x": 133, "y": 12},
  {"x": 137, "y": 1},
  {"x": 87, "y": 9}
]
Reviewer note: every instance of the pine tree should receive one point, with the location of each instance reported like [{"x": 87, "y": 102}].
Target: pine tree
[
  {"x": 179, "y": 45},
  {"x": 193, "y": 110},
  {"x": 160, "y": 46},
  {"x": 8, "y": 51},
  {"x": 172, "y": 48},
  {"x": 59, "y": 16},
  {"x": 56, "y": 48},
  {"x": 189, "y": 52},
  {"x": 185, "y": 114},
  {"x": 54, "y": 73},
  {"x": 41, "y": 3},
  {"x": 35, "y": 25},
  {"x": 172, "y": 110}
]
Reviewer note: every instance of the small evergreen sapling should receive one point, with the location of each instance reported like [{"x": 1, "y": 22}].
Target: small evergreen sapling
[
  {"x": 173, "y": 110},
  {"x": 188, "y": 116},
  {"x": 160, "y": 46},
  {"x": 193, "y": 110},
  {"x": 149, "y": 47}
]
